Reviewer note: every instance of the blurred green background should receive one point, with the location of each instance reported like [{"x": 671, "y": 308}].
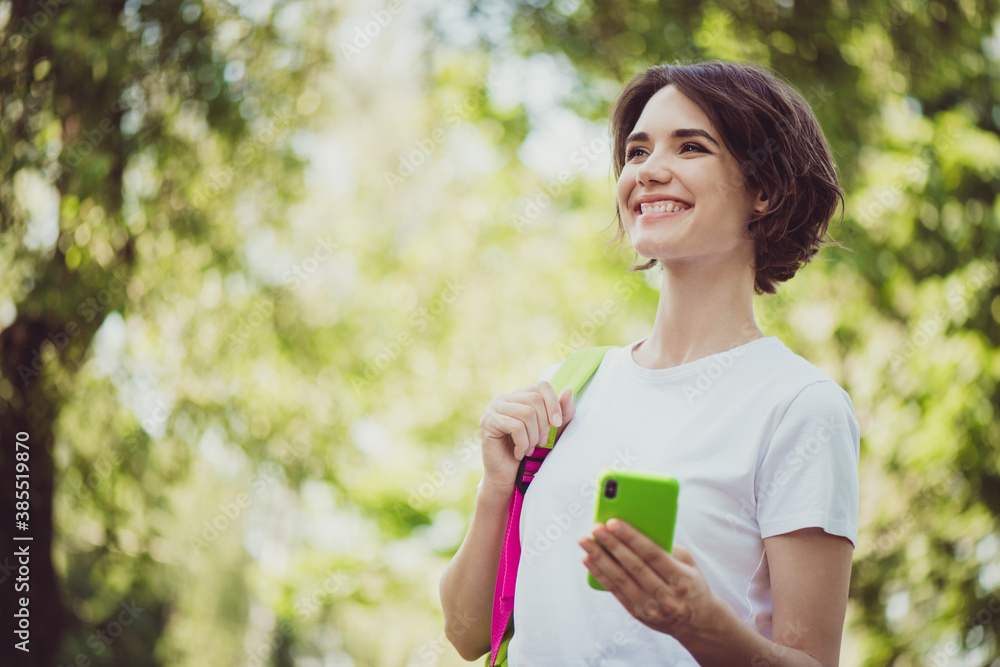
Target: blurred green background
[{"x": 264, "y": 264}]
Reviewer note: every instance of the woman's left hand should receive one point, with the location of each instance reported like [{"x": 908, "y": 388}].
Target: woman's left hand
[{"x": 665, "y": 592}]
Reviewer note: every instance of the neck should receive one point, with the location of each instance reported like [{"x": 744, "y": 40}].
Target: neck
[{"x": 704, "y": 309}]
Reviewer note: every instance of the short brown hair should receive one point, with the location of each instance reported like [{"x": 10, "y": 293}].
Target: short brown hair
[{"x": 771, "y": 130}]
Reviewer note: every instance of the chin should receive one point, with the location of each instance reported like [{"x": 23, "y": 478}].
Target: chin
[{"x": 659, "y": 251}]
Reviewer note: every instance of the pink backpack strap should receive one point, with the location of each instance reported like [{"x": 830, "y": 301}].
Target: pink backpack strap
[{"x": 574, "y": 372}]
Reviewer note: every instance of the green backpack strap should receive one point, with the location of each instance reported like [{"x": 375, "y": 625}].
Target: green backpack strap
[{"x": 574, "y": 372}]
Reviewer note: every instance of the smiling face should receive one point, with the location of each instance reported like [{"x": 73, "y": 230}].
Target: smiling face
[{"x": 680, "y": 193}]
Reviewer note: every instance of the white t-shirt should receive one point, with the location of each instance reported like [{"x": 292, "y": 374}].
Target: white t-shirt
[{"x": 762, "y": 443}]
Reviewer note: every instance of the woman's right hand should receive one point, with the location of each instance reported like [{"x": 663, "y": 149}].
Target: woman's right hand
[{"x": 514, "y": 424}]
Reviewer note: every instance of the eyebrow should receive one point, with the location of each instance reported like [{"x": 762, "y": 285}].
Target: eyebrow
[{"x": 677, "y": 134}]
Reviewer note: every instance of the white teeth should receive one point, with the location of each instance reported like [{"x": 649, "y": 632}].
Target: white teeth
[{"x": 669, "y": 207}]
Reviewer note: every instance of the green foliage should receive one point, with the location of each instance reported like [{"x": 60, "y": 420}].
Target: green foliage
[
  {"x": 907, "y": 321},
  {"x": 266, "y": 264}
]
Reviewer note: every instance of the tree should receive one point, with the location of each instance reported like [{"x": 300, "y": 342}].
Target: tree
[
  {"x": 128, "y": 131},
  {"x": 906, "y": 94}
]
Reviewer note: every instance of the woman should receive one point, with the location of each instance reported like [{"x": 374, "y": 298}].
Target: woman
[{"x": 726, "y": 181}]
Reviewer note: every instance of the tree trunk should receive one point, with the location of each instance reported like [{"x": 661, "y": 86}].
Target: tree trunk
[{"x": 29, "y": 414}]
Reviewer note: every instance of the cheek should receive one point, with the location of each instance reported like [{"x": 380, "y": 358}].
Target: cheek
[
  {"x": 624, "y": 189},
  {"x": 733, "y": 188}
]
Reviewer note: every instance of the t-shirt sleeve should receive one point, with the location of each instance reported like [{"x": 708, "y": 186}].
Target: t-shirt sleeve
[
  {"x": 809, "y": 473},
  {"x": 546, "y": 375}
]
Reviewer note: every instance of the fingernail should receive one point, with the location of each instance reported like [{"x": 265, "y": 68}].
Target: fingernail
[{"x": 556, "y": 419}]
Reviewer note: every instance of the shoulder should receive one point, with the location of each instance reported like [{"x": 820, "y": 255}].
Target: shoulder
[
  {"x": 793, "y": 364},
  {"x": 821, "y": 395},
  {"x": 806, "y": 402},
  {"x": 791, "y": 380},
  {"x": 818, "y": 426}
]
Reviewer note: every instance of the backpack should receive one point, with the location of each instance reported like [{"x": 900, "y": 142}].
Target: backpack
[{"x": 574, "y": 372}]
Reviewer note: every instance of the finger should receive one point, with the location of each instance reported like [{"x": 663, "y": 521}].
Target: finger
[
  {"x": 600, "y": 563},
  {"x": 506, "y": 417},
  {"x": 610, "y": 574},
  {"x": 595, "y": 569},
  {"x": 501, "y": 425},
  {"x": 534, "y": 416},
  {"x": 646, "y": 580},
  {"x": 612, "y": 570},
  {"x": 549, "y": 411},
  {"x": 645, "y": 608},
  {"x": 568, "y": 409},
  {"x": 684, "y": 556},
  {"x": 527, "y": 412},
  {"x": 568, "y": 405},
  {"x": 553, "y": 408},
  {"x": 648, "y": 551}
]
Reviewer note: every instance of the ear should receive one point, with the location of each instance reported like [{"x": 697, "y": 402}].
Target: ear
[{"x": 760, "y": 202}]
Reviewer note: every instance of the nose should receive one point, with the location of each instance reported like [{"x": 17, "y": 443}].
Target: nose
[{"x": 653, "y": 169}]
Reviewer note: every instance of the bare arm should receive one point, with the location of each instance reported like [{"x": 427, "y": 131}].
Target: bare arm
[
  {"x": 469, "y": 579},
  {"x": 810, "y": 578},
  {"x": 512, "y": 426},
  {"x": 810, "y": 575}
]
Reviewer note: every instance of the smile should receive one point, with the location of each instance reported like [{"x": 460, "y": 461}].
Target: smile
[
  {"x": 661, "y": 209},
  {"x": 668, "y": 205}
]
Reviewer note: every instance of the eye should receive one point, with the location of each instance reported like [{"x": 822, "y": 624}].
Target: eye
[
  {"x": 697, "y": 147},
  {"x": 632, "y": 152}
]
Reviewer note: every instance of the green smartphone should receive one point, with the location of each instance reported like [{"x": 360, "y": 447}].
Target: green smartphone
[{"x": 646, "y": 500}]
